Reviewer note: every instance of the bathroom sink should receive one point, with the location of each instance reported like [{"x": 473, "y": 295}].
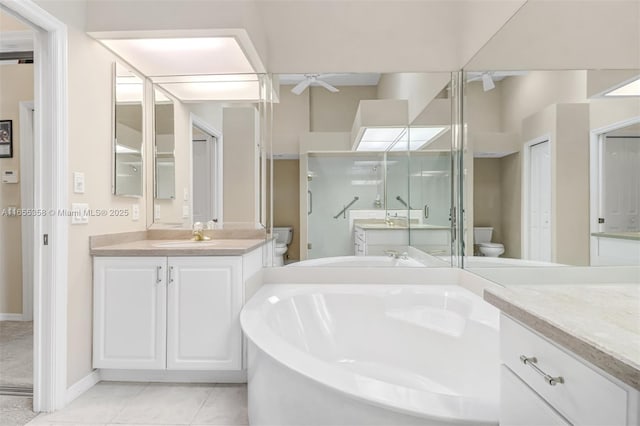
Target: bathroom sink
[{"x": 185, "y": 244}]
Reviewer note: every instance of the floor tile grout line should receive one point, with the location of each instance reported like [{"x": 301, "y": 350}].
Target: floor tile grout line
[
  {"x": 129, "y": 400},
  {"x": 204, "y": 401}
]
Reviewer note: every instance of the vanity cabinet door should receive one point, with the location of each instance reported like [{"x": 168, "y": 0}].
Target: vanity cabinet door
[
  {"x": 204, "y": 302},
  {"x": 129, "y": 312}
]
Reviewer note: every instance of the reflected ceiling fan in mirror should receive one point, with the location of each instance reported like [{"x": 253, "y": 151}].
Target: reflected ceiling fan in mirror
[
  {"x": 489, "y": 78},
  {"x": 314, "y": 80}
]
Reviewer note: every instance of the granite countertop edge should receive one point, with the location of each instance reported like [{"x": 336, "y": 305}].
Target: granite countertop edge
[
  {"x": 609, "y": 361},
  {"x": 147, "y": 248}
]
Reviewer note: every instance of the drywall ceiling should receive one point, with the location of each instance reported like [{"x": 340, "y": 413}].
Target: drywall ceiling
[
  {"x": 566, "y": 34},
  {"x": 378, "y": 36},
  {"x": 317, "y": 36}
]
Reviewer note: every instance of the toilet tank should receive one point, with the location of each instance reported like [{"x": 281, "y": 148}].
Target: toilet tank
[
  {"x": 283, "y": 234},
  {"x": 482, "y": 235}
]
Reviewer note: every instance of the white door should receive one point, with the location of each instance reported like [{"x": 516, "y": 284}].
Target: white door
[
  {"x": 204, "y": 302},
  {"x": 539, "y": 203},
  {"x": 621, "y": 184},
  {"x": 129, "y": 312},
  {"x": 204, "y": 172},
  {"x": 522, "y": 406}
]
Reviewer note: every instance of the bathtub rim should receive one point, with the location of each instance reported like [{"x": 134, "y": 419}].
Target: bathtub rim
[{"x": 477, "y": 410}]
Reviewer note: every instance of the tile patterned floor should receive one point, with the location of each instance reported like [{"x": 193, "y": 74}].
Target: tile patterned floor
[{"x": 112, "y": 403}]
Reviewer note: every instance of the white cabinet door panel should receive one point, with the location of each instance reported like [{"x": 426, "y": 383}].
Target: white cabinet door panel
[
  {"x": 204, "y": 302},
  {"x": 129, "y": 313},
  {"x": 521, "y": 406}
]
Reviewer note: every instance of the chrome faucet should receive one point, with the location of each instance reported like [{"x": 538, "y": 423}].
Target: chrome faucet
[
  {"x": 394, "y": 254},
  {"x": 198, "y": 232}
]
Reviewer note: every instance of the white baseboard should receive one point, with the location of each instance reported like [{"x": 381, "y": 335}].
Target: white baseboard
[
  {"x": 175, "y": 376},
  {"x": 82, "y": 385},
  {"x": 11, "y": 317}
]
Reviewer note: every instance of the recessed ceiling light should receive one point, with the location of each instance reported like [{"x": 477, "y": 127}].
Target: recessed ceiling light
[
  {"x": 214, "y": 91},
  {"x": 629, "y": 89},
  {"x": 182, "y": 56},
  {"x": 397, "y": 138}
]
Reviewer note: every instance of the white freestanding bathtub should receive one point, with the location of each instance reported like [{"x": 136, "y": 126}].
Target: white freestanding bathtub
[{"x": 359, "y": 354}]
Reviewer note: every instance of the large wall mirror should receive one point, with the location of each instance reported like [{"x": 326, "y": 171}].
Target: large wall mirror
[
  {"x": 210, "y": 148},
  {"x": 363, "y": 167},
  {"x": 128, "y": 132},
  {"x": 552, "y": 168}
]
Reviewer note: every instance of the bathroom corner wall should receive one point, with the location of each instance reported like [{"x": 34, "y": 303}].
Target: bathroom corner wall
[
  {"x": 240, "y": 175},
  {"x": 487, "y": 196},
  {"x": 16, "y": 85},
  {"x": 286, "y": 199},
  {"x": 89, "y": 144}
]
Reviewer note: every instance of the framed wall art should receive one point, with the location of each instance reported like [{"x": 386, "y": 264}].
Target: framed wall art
[{"x": 6, "y": 139}]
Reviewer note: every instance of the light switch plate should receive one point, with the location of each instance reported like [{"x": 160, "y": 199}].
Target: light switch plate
[
  {"x": 78, "y": 182},
  {"x": 156, "y": 211},
  {"x": 185, "y": 211},
  {"x": 185, "y": 194},
  {"x": 79, "y": 213},
  {"x": 135, "y": 212}
]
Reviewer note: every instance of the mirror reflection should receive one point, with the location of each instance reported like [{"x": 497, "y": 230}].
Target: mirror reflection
[
  {"x": 551, "y": 168},
  {"x": 207, "y": 157},
  {"x": 164, "y": 139},
  {"x": 365, "y": 182},
  {"x": 128, "y": 132}
]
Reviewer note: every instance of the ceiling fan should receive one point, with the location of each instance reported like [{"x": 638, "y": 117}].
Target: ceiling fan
[
  {"x": 489, "y": 78},
  {"x": 313, "y": 80}
]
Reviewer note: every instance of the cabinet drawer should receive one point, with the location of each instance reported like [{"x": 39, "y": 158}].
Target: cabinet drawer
[
  {"x": 585, "y": 398},
  {"x": 521, "y": 406}
]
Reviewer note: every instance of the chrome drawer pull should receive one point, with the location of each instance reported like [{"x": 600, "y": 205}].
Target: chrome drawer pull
[{"x": 531, "y": 362}]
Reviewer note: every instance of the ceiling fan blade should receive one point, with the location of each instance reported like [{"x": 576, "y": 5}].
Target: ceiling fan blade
[
  {"x": 327, "y": 86},
  {"x": 487, "y": 82},
  {"x": 300, "y": 87}
]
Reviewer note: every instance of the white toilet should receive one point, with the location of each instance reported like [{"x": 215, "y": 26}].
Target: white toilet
[
  {"x": 482, "y": 237},
  {"x": 283, "y": 236}
]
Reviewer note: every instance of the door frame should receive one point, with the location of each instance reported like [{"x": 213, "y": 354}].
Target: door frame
[
  {"x": 526, "y": 192},
  {"x": 216, "y": 160},
  {"x": 50, "y": 262},
  {"x": 27, "y": 116},
  {"x": 595, "y": 178}
]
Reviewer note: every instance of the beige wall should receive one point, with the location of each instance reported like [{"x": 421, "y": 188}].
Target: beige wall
[
  {"x": 16, "y": 85},
  {"x": 290, "y": 120},
  {"x": 89, "y": 99},
  {"x": 487, "y": 196},
  {"x": 286, "y": 199},
  {"x": 510, "y": 195},
  {"x": 9, "y": 23},
  {"x": 240, "y": 176},
  {"x": 335, "y": 112},
  {"x": 419, "y": 89}
]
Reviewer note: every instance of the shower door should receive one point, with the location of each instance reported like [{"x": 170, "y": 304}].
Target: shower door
[{"x": 341, "y": 188}]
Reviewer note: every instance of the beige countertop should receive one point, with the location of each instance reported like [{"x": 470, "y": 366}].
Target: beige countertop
[
  {"x": 598, "y": 322},
  {"x": 620, "y": 235},
  {"x": 182, "y": 247}
]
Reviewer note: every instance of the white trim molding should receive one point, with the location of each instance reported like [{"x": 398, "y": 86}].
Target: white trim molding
[
  {"x": 50, "y": 194},
  {"x": 173, "y": 376},
  {"x": 82, "y": 385},
  {"x": 26, "y": 196},
  {"x": 11, "y": 317}
]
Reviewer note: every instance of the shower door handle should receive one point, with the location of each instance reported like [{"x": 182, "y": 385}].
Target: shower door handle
[
  {"x": 310, "y": 202},
  {"x": 426, "y": 211}
]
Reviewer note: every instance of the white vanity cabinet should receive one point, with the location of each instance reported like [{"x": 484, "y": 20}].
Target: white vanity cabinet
[
  {"x": 173, "y": 313},
  {"x": 373, "y": 241},
  {"x": 555, "y": 387}
]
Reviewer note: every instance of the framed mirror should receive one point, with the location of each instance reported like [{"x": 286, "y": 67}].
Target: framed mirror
[{"x": 128, "y": 133}]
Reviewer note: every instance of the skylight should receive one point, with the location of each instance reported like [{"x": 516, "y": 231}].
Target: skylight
[
  {"x": 380, "y": 139},
  {"x": 629, "y": 89}
]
